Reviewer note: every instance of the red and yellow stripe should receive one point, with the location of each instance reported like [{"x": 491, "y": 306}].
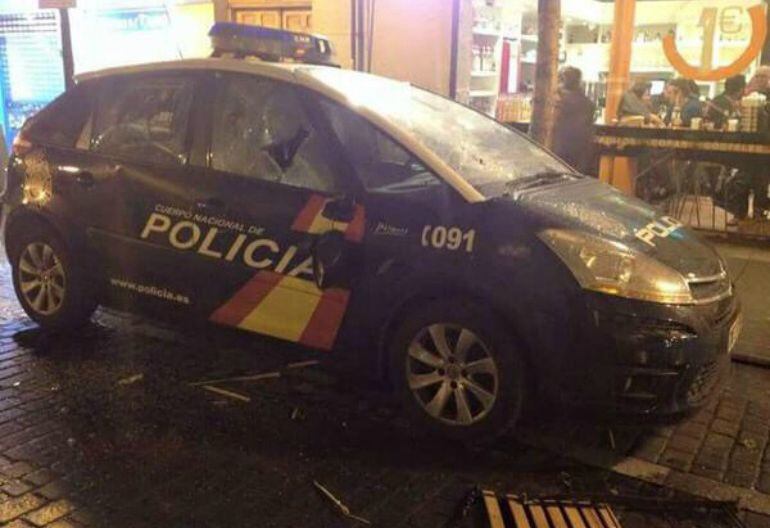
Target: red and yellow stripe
[
  {"x": 287, "y": 308},
  {"x": 311, "y": 220}
]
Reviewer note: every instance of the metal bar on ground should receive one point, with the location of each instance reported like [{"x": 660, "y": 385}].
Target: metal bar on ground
[{"x": 229, "y": 394}]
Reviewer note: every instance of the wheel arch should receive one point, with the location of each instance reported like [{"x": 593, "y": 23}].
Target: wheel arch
[
  {"x": 436, "y": 291},
  {"x": 20, "y": 220}
]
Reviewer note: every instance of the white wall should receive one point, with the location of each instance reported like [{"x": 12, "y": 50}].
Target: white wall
[{"x": 412, "y": 38}]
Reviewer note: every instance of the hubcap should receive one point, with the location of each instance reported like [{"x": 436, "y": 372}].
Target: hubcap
[
  {"x": 41, "y": 278},
  {"x": 452, "y": 374}
]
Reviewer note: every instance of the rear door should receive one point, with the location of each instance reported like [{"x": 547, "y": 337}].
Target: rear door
[{"x": 139, "y": 159}]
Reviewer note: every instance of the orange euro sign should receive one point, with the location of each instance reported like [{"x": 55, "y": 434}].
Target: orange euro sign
[{"x": 758, "y": 34}]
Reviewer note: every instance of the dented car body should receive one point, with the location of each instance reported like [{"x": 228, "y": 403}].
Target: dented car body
[{"x": 331, "y": 209}]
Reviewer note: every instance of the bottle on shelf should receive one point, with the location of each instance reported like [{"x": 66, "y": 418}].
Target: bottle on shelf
[{"x": 476, "y": 59}]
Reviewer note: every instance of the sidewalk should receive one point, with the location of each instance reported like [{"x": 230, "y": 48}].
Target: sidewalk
[{"x": 749, "y": 266}]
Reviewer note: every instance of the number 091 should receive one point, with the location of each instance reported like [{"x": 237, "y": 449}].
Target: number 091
[{"x": 452, "y": 238}]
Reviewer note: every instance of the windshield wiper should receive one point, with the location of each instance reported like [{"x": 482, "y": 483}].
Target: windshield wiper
[{"x": 540, "y": 179}]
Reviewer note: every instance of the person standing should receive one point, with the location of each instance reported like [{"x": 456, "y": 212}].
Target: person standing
[{"x": 574, "y": 126}]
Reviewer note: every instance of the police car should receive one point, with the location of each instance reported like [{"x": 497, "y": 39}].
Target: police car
[{"x": 366, "y": 218}]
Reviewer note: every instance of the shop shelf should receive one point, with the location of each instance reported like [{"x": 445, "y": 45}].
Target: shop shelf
[
  {"x": 486, "y": 33},
  {"x": 483, "y": 93},
  {"x": 482, "y": 74}
]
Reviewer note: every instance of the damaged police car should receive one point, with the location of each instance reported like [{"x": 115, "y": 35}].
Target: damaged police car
[{"x": 366, "y": 218}]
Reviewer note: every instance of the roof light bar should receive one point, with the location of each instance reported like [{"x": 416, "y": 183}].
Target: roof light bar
[{"x": 275, "y": 45}]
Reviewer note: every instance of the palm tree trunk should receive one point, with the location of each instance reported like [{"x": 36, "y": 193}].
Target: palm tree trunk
[{"x": 549, "y": 18}]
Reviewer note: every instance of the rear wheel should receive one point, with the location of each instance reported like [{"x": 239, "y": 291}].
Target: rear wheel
[
  {"x": 457, "y": 371},
  {"x": 49, "y": 285}
]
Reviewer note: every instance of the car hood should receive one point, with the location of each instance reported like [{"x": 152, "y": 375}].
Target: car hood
[{"x": 592, "y": 206}]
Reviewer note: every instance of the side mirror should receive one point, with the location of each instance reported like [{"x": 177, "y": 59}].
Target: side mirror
[{"x": 331, "y": 262}]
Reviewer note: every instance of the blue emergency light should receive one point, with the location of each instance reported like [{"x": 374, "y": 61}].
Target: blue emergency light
[{"x": 275, "y": 45}]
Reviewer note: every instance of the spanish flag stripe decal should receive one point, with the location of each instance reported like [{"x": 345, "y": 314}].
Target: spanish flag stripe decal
[
  {"x": 321, "y": 330},
  {"x": 312, "y": 208},
  {"x": 249, "y": 296},
  {"x": 286, "y": 310},
  {"x": 354, "y": 231}
]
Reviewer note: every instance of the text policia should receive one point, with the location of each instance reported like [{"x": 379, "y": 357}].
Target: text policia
[{"x": 209, "y": 241}]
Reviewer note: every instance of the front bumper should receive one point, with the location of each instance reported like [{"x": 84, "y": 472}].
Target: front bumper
[{"x": 651, "y": 359}]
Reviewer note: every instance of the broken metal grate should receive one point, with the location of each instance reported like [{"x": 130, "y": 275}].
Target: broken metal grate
[{"x": 510, "y": 511}]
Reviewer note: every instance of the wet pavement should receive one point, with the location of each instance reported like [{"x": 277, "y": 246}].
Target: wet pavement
[{"x": 110, "y": 427}]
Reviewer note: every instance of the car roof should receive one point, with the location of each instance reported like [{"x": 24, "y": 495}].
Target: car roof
[
  {"x": 301, "y": 74},
  {"x": 282, "y": 70}
]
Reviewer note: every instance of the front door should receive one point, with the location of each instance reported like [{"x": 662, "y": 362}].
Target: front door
[{"x": 259, "y": 199}]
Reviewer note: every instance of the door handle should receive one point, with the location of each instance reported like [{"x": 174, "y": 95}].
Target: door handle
[{"x": 210, "y": 204}]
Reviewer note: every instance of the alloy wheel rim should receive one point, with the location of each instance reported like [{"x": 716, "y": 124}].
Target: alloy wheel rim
[
  {"x": 42, "y": 280},
  {"x": 452, "y": 374}
]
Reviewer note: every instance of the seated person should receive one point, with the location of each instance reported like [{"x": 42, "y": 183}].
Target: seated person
[{"x": 634, "y": 103}]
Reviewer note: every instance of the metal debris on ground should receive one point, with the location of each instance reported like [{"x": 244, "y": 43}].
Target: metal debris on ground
[
  {"x": 338, "y": 504},
  {"x": 131, "y": 379},
  {"x": 229, "y": 394},
  {"x": 303, "y": 364},
  {"x": 510, "y": 511},
  {"x": 297, "y": 414},
  {"x": 611, "y": 436},
  {"x": 602, "y": 511},
  {"x": 252, "y": 377}
]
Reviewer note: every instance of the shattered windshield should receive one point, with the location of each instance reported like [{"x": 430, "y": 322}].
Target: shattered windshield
[{"x": 484, "y": 152}]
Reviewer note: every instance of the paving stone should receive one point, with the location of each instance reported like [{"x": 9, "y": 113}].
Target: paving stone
[
  {"x": 744, "y": 455},
  {"x": 760, "y": 425},
  {"x": 50, "y": 512},
  {"x": 725, "y": 427},
  {"x": 743, "y": 480},
  {"x": 702, "y": 417},
  {"x": 683, "y": 443},
  {"x": 718, "y": 441},
  {"x": 729, "y": 413},
  {"x": 17, "y": 506},
  {"x": 18, "y": 523},
  {"x": 64, "y": 523},
  {"x": 40, "y": 477},
  {"x": 703, "y": 471},
  {"x": 665, "y": 432},
  {"x": 713, "y": 459},
  {"x": 16, "y": 469},
  {"x": 763, "y": 484},
  {"x": 676, "y": 459},
  {"x": 755, "y": 520},
  {"x": 54, "y": 490},
  {"x": 758, "y": 410},
  {"x": 692, "y": 429},
  {"x": 15, "y": 488},
  {"x": 650, "y": 448},
  {"x": 83, "y": 517}
]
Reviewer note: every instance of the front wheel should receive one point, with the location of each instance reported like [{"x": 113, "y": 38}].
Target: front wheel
[{"x": 458, "y": 371}]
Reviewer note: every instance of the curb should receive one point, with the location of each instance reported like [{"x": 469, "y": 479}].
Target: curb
[
  {"x": 750, "y": 359},
  {"x": 747, "y": 499}
]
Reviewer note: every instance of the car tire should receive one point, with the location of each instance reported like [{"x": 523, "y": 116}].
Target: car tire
[
  {"x": 472, "y": 390},
  {"x": 50, "y": 284}
]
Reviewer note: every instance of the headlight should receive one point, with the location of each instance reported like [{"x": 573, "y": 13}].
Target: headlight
[{"x": 614, "y": 268}]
